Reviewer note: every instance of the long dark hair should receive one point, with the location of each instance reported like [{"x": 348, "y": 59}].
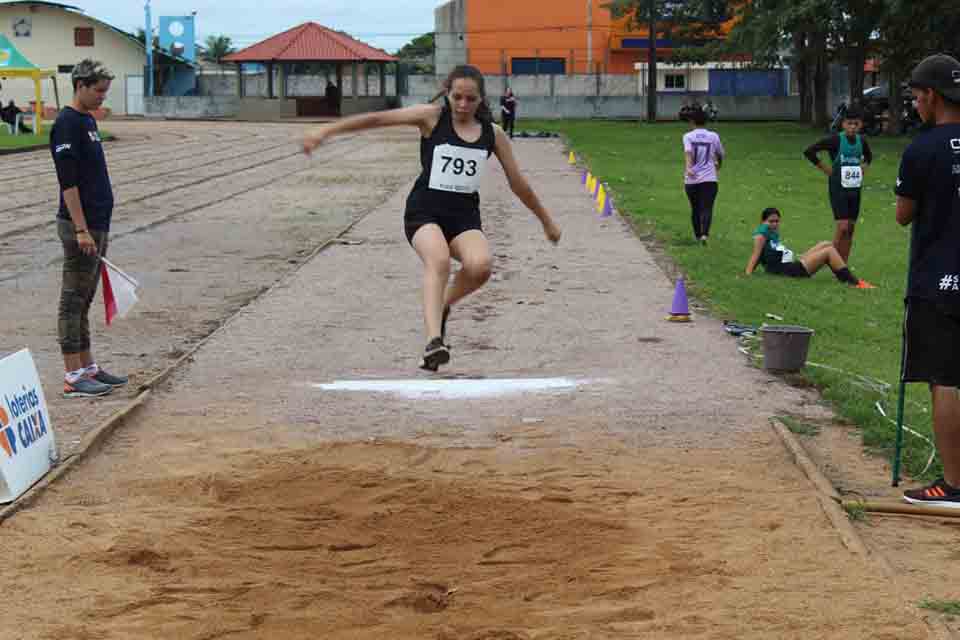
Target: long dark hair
[{"x": 469, "y": 72}]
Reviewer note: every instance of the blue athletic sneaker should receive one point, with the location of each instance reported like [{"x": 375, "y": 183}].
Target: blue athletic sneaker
[
  {"x": 110, "y": 380},
  {"x": 85, "y": 388}
]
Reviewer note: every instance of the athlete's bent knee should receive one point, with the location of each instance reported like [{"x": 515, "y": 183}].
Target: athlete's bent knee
[{"x": 478, "y": 270}]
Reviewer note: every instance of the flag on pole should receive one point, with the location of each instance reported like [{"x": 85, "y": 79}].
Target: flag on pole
[{"x": 119, "y": 291}]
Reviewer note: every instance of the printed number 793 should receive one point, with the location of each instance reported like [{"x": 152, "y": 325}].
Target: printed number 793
[{"x": 460, "y": 166}]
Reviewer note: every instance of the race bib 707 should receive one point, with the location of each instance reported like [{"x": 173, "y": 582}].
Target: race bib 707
[{"x": 457, "y": 169}]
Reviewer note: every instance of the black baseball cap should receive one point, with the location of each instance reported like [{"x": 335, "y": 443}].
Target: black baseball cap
[{"x": 939, "y": 72}]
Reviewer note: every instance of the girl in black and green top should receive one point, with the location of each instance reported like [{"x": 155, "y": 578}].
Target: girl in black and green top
[
  {"x": 850, "y": 156},
  {"x": 769, "y": 251}
]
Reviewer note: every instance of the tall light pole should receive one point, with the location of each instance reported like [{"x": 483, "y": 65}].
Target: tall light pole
[
  {"x": 148, "y": 43},
  {"x": 652, "y": 64},
  {"x": 589, "y": 37}
]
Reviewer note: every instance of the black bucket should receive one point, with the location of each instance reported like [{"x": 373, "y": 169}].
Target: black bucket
[{"x": 785, "y": 347}]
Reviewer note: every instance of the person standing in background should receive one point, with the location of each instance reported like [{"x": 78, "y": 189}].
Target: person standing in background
[{"x": 508, "y": 111}]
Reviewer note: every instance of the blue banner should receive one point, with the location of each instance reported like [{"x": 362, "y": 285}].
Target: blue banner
[{"x": 178, "y": 36}]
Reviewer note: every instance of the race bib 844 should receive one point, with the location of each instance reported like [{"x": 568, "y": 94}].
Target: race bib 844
[
  {"x": 851, "y": 177},
  {"x": 457, "y": 169}
]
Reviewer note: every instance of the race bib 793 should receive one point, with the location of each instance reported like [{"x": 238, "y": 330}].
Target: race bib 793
[{"x": 457, "y": 169}]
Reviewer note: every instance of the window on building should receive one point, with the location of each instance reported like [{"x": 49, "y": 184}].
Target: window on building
[
  {"x": 675, "y": 81},
  {"x": 83, "y": 37},
  {"x": 538, "y": 66},
  {"x": 65, "y": 68}
]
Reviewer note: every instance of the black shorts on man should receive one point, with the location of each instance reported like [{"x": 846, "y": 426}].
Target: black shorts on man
[{"x": 932, "y": 343}]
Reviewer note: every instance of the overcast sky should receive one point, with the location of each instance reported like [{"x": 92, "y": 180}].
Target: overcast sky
[{"x": 388, "y": 24}]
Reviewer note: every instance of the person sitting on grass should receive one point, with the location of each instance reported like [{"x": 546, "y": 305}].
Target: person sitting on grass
[{"x": 769, "y": 251}]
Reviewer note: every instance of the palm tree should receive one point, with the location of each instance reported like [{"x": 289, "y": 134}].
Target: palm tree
[{"x": 218, "y": 48}]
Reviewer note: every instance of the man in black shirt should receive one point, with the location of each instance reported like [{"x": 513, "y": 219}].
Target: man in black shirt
[
  {"x": 928, "y": 197},
  {"x": 850, "y": 155},
  {"x": 83, "y": 224}
]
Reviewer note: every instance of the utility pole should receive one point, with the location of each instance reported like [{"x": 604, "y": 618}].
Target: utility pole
[
  {"x": 148, "y": 43},
  {"x": 589, "y": 36},
  {"x": 652, "y": 64}
]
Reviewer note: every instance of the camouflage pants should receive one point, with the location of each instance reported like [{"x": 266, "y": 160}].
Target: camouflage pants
[{"x": 81, "y": 275}]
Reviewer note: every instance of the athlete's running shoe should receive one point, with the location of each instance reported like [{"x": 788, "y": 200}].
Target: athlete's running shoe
[
  {"x": 109, "y": 379},
  {"x": 435, "y": 354},
  {"x": 863, "y": 284},
  {"x": 85, "y": 388},
  {"x": 938, "y": 494}
]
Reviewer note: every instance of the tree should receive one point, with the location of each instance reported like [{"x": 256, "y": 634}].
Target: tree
[
  {"x": 139, "y": 35},
  {"x": 855, "y": 27},
  {"x": 218, "y": 48},
  {"x": 688, "y": 24},
  {"x": 798, "y": 32},
  {"x": 418, "y": 47},
  {"x": 420, "y": 53}
]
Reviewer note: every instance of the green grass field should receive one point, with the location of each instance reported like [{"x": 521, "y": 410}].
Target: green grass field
[
  {"x": 8, "y": 141},
  {"x": 857, "y": 331},
  {"x": 23, "y": 140}
]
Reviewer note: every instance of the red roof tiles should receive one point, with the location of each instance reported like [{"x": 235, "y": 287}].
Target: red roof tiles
[{"x": 310, "y": 42}]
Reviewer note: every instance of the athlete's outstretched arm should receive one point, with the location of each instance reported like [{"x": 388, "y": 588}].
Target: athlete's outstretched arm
[
  {"x": 520, "y": 187},
  {"x": 422, "y": 116}
]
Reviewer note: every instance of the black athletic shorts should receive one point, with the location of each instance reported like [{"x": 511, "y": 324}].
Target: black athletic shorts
[
  {"x": 790, "y": 269},
  {"x": 451, "y": 224},
  {"x": 845, "y": 203},
  {"x": 932, "y": 344}
]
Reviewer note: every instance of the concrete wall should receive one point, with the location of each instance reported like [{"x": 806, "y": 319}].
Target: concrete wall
[
  {"x": 303, "y": 86},
  {"x": 604, "y": 96},
  {"x": 51, "y": 44},
  {"x": 350, "y": 106},
  {"x": 205, "y": 107},
  {"x": 201, "y": 107},
  {"x": 260, "y": 109},
  {"x": 218, "y": 85},
  {"x": 450, "y": 22},
  {"x": 635, "y": 107}
]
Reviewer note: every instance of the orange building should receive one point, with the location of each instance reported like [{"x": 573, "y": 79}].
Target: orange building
[{"x": 512, "y": 37}]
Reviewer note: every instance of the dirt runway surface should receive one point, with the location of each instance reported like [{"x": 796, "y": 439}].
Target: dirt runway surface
[
  {"x": 208, "y": 216},
  {"x": 582, "y": 469}
]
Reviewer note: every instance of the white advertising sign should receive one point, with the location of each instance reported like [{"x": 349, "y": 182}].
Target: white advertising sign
[{"x": 27, "y": 446}]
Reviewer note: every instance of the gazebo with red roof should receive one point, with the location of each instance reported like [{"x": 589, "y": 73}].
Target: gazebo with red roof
[{"x": 309, "y": 45}]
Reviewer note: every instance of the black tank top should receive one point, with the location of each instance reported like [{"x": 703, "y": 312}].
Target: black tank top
[{"x": 452, "y": 168}]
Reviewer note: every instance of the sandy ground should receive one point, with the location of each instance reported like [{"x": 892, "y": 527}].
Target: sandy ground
[{"x": 645, "y": 496}]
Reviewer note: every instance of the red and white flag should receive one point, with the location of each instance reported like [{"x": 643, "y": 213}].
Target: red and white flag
[{"x": 119, "y": 291}]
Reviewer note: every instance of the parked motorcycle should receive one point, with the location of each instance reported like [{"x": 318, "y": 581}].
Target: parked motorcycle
[{"x": 710, "y": 109}]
